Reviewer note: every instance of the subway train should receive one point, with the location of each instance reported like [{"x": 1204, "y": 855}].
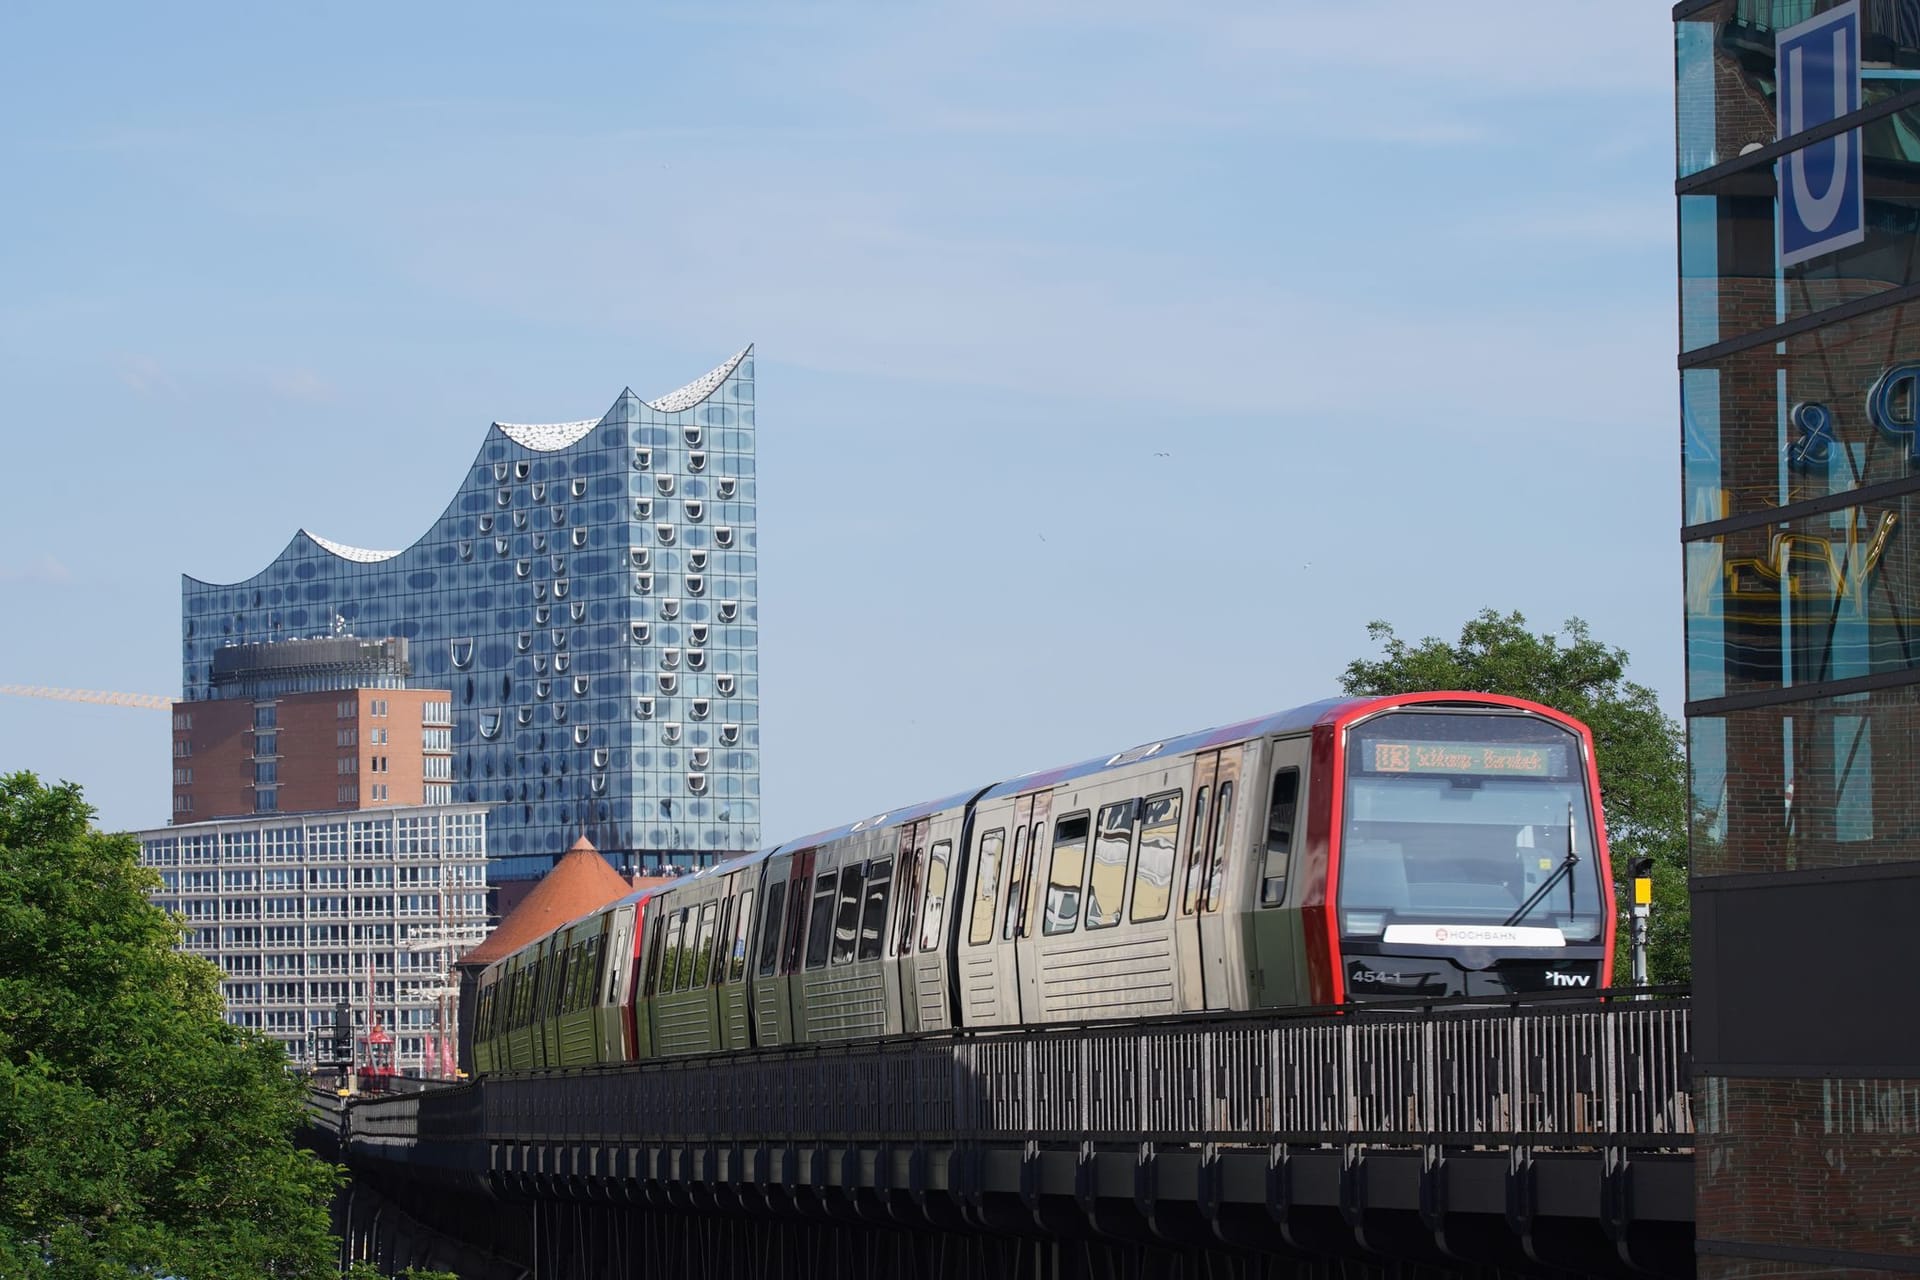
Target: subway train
[{"x": 1419, "y": 845}]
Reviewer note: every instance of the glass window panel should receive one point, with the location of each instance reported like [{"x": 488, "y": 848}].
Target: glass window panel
[
  {"x": 670, "y": 965},
  {"x": 1725, "y": 77},
  {"x": 933, "y": 913},
  {"x": 1196, "y": 852},
  {"x": 846, "y": 922},
  {"x": 770, "y": 927},
  {"x": 986, "y": 886},
  {"x": 910, "y": 873},
  {"x": 1830, "y": 783},
  {"x": 1153, "y": 872},
  {"x": 743, "y": 924},
  {"x": 1065, "y": 875},
  {"x": 1826, "y": 597},
  {"x": 1823, "y": 413},
  {"x": 873, "y": 918},
  {"x": 703, "y": 948},
  {"x": 1222, "y": 836},
  {"x": 1016, "y": 883},
  {"x": 1107, "y": 884},
  {"x": 1282, "y": 805},
  {"x": 820, "y": 922}
]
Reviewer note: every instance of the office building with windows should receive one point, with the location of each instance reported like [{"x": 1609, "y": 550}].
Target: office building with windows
[
  {"x": 1798, "y": 189},
  {"x": 352, "y": 748},
  {"x": 304, "y": 913},
  {"x": 588, "y": 599}
]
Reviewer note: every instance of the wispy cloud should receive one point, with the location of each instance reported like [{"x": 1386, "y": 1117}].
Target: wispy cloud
[
  {"x": 46, "y": 571},
  {"x": 147, "y": 378},
  {"x": 301, "y": 384}
]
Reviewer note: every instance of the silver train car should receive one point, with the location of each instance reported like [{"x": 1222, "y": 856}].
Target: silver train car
[{"x": 1427, "y": 844}]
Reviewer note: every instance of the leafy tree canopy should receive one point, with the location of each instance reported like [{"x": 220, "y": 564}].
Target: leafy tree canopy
[
  {"x": 139, "y": 1133},
  {"x": 1639, "y": 748}
]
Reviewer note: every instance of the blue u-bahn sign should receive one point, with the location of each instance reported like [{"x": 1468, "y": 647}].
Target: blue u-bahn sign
[{"x": 1822, "y": 204}]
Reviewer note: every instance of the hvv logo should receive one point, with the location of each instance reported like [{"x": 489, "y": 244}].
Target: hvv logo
[{"x": 1821, "y": 202}]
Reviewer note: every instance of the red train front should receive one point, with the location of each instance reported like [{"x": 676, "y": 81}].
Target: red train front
[{"x": 1459, "y": 850}]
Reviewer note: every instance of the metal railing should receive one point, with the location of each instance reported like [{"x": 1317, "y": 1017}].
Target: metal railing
[{"x": 1572, "y": 1074}]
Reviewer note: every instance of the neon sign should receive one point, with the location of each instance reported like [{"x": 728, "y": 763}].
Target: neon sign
[{"x": 1893, "y": 407}]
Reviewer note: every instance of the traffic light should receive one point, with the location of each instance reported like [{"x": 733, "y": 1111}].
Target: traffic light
[
  {"x": 343, "y": 1034},
  {"x": 1641, "y": 869}
]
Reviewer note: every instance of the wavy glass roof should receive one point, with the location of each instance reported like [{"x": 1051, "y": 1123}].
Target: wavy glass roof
[{"x": 588, "y": 595}]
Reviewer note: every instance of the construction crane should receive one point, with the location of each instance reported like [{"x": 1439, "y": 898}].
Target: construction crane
[{"x": 144, "y": 701}]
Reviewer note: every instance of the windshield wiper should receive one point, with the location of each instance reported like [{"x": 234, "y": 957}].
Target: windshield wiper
[{"x": 1562, "y": 872}]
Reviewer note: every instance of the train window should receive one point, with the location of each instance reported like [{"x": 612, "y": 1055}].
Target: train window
[
  {"x": 1153, "y": 870},
  {"x": 820, "y": 920},
  {"x": 1222, "y": 837},
  {"x": 721, "y": 934},
  {"x": 670, "y": 965},
  {"x": 770, "y": 927},
  {"x": 933, "y": 913},
  {"x": 986, "y": 885},
  {"x": 552, "y": 963},
  {"x": 873, "y": 917},
  {"x": 569, "y": 979},
  {"x": 909, "y": 879},
  {"x": 1279, "y": 854},
  {"x": 1107, "y": 885},
  {"x": 613, "y": 966},
  {"x": 846, "y": 921},
  {"x": 1196, "y": 852},
  {"x": 1016, "y": 882},
  {"x": 1066, "y": 875},
  {"x": 737, "y": 965},
  {"x": 703, "y": 949},
  {"x": 796, "y": 916},
  {"x": 589, "y": 975}
]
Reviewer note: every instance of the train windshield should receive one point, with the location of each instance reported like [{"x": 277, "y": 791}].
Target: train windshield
[{"x": 1460, "y": 819}]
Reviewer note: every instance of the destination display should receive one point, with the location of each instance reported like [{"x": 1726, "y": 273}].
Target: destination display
[{"x": 1473, "y": 759}]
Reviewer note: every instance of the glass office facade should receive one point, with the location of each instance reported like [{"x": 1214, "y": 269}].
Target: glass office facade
[
  {"x": 1798, "y": 191},
  {"x": 590, "y": 599}
]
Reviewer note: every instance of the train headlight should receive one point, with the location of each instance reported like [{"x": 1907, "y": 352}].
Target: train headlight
[{"x": 1364, "y": 924}]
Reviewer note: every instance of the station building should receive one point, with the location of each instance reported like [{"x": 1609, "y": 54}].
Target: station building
[
  {"x": 303, "y": 913},
  {"x": 1798, "y": 190},
  {"x": 588, "y": 600}
]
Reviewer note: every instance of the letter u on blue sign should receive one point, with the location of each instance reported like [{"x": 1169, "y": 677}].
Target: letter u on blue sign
[{"x": 1822, "y": 204}]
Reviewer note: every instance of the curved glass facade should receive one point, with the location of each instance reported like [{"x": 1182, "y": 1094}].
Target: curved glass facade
[{"x": 590, "y": 599}]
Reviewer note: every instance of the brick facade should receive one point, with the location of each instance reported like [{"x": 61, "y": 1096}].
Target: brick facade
[
  {"x": 1797, "y": 1176},
  {"x": 337, "y": 749}
]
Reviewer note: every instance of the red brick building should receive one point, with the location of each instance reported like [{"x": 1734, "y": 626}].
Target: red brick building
[
  {"x": 1800, "y": 404},
  {"x": 304, "y": 752}
]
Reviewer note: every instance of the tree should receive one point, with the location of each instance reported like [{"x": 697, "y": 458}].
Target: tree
[
  {"x": 139, "y": 1133},
  {"x": 1639, "y": 749}
]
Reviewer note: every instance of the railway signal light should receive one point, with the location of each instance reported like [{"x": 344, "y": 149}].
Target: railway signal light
[{"x": 1641, "y": 871}]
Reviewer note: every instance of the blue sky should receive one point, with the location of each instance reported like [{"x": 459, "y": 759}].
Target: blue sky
[{"x": 1389, "y": 284}]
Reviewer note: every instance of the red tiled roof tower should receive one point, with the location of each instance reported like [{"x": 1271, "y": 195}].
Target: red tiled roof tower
[{"x": 579, "y": 883}]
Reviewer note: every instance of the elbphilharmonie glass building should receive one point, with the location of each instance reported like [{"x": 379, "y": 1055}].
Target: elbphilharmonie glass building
[{"x": 589, "y": 598}]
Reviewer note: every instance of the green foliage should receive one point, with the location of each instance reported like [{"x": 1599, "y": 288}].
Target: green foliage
[
  {"x": 1640, "y": 750},
  {"x": 138, "y": 1131},
  {"x": 367, "y": 1271}
]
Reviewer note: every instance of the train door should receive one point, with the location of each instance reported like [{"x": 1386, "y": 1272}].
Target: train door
[
  {"x": 1024, "y": 913},
  {"x": 793, "y": 1008},
  {"x": 771, "y": 1024},
  {"x": 611, "y": 1016},
  {"x": 1274, "y": 927},
  {"x": 1203, "y": 925},
  {"x": 910, "y": 882}
]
